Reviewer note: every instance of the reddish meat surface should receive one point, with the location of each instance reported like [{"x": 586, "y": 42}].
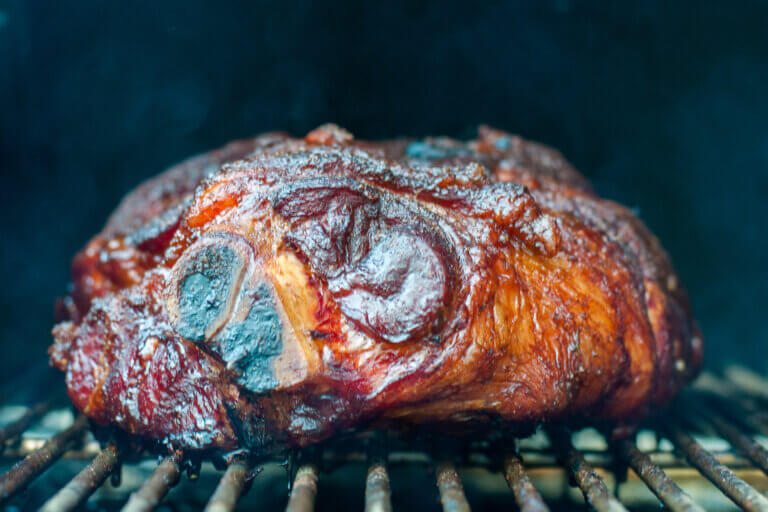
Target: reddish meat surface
[{"x": 275, "y": 291}]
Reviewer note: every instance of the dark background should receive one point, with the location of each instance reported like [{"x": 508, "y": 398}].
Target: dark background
[{"x": 663, "y": 105}]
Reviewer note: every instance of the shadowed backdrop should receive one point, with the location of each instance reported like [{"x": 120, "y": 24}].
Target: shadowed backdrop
[{"x": 663, "y": 106}]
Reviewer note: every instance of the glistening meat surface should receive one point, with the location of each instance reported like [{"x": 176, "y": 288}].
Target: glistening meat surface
[{"x": 278, "y": 290}]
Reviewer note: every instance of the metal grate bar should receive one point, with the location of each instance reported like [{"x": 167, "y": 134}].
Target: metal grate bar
[
  {"x": 592, "y": 486},
  {"x": 377, "y": 491},
  {"x": 656, "y": 479},
  {"x": 732, "y": 486},
  {"x": 753, "y": 450},
  {"x": 732, "y": 400},
  {"x": 149, "y": 495},
  {"x": 527, "y": 497},
  {"x": 231, "y": 487},
  {"x": 731, "y": 407},
  {"x": 304, "y": 489},
  {"x": 451, "y": 490},
  {"x": 725, "y": 403},
  {"x": 14, "y": 429},
  {"x": 85, "y": 483},
  {"x": 38, "y": 461}
]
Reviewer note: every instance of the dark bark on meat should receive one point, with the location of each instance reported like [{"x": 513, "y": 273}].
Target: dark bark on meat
[{"x": 273, "y": 292}]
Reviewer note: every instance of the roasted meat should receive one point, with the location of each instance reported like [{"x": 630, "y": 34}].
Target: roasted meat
[{"x": 278, "y": 290}]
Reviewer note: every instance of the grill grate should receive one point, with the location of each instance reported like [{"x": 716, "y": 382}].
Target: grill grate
[{"x": 717, "y": 432}]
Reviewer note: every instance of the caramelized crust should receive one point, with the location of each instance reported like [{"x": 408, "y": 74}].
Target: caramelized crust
[{"x": 275, "y": 291}]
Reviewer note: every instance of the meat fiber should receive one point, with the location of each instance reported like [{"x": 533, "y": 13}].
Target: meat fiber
[{"x": 278, "y": 290}]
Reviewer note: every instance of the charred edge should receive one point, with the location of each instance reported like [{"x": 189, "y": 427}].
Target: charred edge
[
  {"x": 254, "y": 428},
  {"x": 310, "y": 197},
  {"x": 155, "y": 234}
]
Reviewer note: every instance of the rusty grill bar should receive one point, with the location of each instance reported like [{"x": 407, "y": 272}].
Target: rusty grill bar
[
  {"x": 304, "y": 490},
  {"x": 451, "y": 490},
  {"x": 527, "y": 497},
  {"x": 87, "y": 481},
  {"x": 377, "y": 491},
  {"x": 151, "y": 493},
  {"x": 232, "y": 485},
  {"x": 732, "y": 406},
  {"x": 592, "y": 486},
  {"x": 666, "y": 489}
]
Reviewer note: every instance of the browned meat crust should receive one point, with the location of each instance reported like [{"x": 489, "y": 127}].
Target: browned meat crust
[{"x": 324, "y": 283}]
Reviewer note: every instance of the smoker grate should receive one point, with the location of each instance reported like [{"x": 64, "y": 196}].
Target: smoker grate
[{"x": 716, "y": 430}]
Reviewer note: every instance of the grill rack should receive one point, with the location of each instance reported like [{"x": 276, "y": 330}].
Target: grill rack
[{"x": 732, "y": 405}]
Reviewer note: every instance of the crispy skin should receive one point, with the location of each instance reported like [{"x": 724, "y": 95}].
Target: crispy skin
[{"x": 325, "y": 283}]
